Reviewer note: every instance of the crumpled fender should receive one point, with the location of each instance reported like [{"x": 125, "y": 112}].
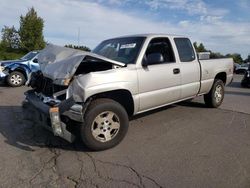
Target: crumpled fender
[{"x": 16, "y": 66}]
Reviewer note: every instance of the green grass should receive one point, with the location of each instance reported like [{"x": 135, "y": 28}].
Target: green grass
[{"x": 10, "y": 55}]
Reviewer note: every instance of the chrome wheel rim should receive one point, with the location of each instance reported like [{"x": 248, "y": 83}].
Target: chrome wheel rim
[
  {"x": 105, "y": 126},
  {"x": 218, "y": 93},
  {"x": 16, "y": 79}
]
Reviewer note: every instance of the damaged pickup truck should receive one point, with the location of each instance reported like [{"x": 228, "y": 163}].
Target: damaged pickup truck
[{"x": 95, "y": 92}]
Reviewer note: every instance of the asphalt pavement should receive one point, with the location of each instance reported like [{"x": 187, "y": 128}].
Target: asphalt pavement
[{"x": 183, "y": 145}]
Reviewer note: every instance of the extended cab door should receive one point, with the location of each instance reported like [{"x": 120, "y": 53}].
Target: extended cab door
[
  {"x": 189, "y": 68},
  {"x": 159, "y": 83}
]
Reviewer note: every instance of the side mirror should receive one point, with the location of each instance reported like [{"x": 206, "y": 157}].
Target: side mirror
[
  {"x": 155, "y": 58},
  {"x": 35, "y": 60}
]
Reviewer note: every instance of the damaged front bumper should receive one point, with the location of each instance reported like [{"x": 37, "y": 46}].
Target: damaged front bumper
[
  {"x": 2, "y": 76},
  {"x": 55, "y": 115}
]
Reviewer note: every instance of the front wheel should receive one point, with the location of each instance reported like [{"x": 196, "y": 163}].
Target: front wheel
[
  {"x": 15, "y": 79},
  {"x": 216, "y": 95},
  {"x": 106, "y": 124}
]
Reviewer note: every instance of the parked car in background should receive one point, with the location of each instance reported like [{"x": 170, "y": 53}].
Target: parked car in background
[
  {"x": 16, "y": 72},
  {"x": 241, "y": 69},
  {"x": 236, "y": 66},
  {"x": 246, "y": 79},
  {"x": 97, "y": 91}
]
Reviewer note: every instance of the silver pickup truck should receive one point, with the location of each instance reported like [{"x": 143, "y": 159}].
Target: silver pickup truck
[{"x": 93, "y": 94}]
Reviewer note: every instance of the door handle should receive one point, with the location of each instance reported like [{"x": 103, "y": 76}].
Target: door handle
[{"x": 176, "y": 71}]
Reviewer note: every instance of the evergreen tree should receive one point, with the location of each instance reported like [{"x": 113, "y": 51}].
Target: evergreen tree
[
  {"x": 31, "y": 31},
  {"x": 236, "y": 57}
]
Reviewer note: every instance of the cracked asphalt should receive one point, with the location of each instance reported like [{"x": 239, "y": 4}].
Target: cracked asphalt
[{"x": 183, "y": 145}]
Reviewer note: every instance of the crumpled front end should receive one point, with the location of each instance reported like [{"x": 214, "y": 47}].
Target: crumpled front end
[
  {"x": 60, "y": 63},
  {"x": 46, "y": 105},
  {"x": 51, "y": 102}
]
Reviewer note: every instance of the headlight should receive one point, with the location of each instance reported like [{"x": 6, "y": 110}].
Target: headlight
[{"x": 1, "y": 68}]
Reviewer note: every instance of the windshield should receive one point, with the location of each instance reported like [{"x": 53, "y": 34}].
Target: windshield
[
  {"x": 29, "y": 56},
  {"x": 125, "y": 50}
]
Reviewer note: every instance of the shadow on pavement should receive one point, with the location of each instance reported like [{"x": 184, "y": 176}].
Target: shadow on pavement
[
  {"x": 235, "y": 85},
  {"x": 237, "y": 93},
  {"x": 25, "y": 135},
  {"x": 192, "y": 104}
]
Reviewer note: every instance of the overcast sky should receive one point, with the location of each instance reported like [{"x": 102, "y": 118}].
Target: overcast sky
[{"x": 222, "y": 25}]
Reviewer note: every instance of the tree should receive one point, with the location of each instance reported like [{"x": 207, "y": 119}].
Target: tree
[
  {"x": 236, "y": 57},
  {"x": 31, "y": 31},
  {"x": 200, "y": 47},
  {"x": 215, "y": 55},
  {"x": 10, "y": 38},
  {"x": 247, "y": 60},
  {"x": 84, "y": 48},
  {"x": 195, "y": 46}
]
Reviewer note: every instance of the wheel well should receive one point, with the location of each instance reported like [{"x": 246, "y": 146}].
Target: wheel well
[
  {"x": 21, "y": 71},
  {"x": 222, "y": 76},
  {"x": 121, "y": 96}
]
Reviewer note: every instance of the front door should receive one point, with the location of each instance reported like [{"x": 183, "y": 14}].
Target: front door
[
  {"x": 34, "y": 65},
  {"x": 159, "y": 83}
]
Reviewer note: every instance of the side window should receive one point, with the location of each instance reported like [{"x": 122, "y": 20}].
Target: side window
[
  {"x": 35, "y": 60},
  {"x": 185, "y": 49},
  {"x": 161, "y": 46}
]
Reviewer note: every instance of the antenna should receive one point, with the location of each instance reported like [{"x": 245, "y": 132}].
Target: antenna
[{"x": 78, "y": 37}]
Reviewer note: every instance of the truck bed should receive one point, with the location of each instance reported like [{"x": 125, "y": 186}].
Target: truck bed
[{"x": 210, "y": 68}]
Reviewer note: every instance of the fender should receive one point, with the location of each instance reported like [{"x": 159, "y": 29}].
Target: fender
[{"x": 17, "y": 66}]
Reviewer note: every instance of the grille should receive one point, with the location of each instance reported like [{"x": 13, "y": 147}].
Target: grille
[{"x": 45, "y": 85}]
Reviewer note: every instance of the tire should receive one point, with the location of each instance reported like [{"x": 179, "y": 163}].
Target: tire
[
  {"x": 16, "y": 79},
  {"x": 106, "y": 124},
  {"x": 216, "y": 95}
]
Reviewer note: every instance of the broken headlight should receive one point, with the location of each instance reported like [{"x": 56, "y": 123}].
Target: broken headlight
[{"x": 2, "y": 68}]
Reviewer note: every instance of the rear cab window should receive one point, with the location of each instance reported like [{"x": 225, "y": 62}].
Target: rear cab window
[{"x": 185, "y": 49}]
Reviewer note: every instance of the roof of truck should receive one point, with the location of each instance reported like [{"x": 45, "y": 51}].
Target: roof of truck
[{"x": 152, "y": 35}]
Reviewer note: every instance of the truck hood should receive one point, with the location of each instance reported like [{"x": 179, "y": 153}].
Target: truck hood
[
  {"x": 8, "y": 62},
  {"x": 61, "y": 63}
]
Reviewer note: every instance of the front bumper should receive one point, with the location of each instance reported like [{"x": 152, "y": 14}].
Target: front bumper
[
  {"x": 55, "y": 118},
  {"x": 2, "y": 77}
]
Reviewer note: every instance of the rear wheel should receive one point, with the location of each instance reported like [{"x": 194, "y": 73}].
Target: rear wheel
[
  {"x": 106, "y": 124},
  {"x": 15, "y": 79},
  {"x": 216, "y": 95}
]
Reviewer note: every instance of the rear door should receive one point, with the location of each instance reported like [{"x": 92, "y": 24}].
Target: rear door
[
  {"x": 189, "y": 68},
  {"x": 159, "y": 84}
]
